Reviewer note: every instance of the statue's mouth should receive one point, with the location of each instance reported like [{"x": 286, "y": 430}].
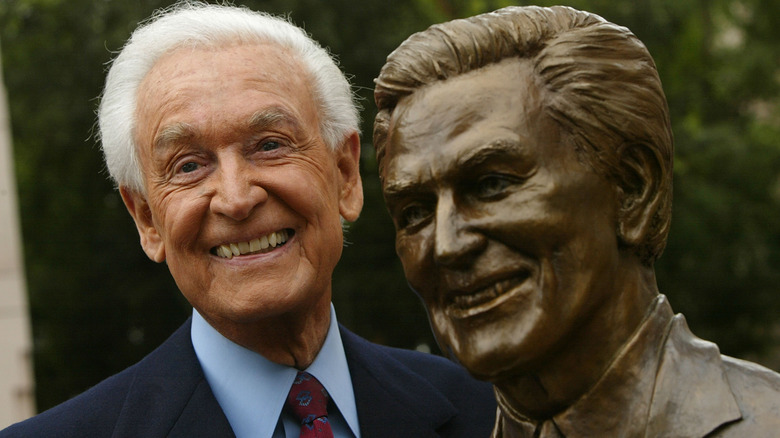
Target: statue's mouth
[{"x": 485, "y": 295}]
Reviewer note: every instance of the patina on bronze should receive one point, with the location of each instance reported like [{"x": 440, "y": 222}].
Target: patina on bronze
[{"x": 526, "y": 159}]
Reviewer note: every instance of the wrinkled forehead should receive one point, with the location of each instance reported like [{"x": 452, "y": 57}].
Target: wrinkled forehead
[
  {"x": 257, "y": 61},
  {"x": 190, "y": 84}
]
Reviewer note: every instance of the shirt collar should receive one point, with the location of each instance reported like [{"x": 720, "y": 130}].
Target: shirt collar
[
  {"x": 331, "y": 369},
  {"x": 252, "y": 390}
]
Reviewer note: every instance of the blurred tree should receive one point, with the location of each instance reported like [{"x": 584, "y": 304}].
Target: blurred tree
[{"x": 98, "y": 304}]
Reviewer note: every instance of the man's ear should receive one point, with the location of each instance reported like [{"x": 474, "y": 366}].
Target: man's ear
[
  {"x": 151, "y": 241},
  {"x": 351, "y": 187},
  {"x": 639, "y": 185}
]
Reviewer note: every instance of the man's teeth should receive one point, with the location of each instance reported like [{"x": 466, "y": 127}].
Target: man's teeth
[{"x": 264, "y": 243}]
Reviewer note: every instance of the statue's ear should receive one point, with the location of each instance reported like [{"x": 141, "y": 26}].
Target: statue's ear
[{"x": 639, "y": 194}]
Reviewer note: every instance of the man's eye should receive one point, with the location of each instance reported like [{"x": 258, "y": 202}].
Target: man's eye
[
  {"x": 491, "y": 186},
  {"x": 414, "y": 214},
  {"x": 270, "y": 145},
  {"x": 189, "y": 167}
]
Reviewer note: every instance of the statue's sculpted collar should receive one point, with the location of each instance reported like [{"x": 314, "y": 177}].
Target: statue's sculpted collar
[{"x": 626, "y": 400}]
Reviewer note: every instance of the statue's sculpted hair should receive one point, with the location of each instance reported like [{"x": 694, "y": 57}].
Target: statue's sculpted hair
[
  {"x": 194, "y": 24},
  {"x": 599, "y": 82}
]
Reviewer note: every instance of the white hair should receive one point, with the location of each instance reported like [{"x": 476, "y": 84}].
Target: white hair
[{"x": 197, "y": 24}]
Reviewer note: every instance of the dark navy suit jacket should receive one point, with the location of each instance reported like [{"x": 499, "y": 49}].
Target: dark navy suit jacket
[{"x": 398, "y": 393}]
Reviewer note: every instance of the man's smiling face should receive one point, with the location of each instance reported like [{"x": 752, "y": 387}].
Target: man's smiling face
[
  {"x": 508, "y": 238},
  {"x": 243, "y": 198}
]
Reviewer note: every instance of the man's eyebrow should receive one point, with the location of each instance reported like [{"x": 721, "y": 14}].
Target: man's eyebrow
[
  {"x": 261, "y": 120},
  {"x": 173, "y": 134},
  {"x": 266, "y": 118}
]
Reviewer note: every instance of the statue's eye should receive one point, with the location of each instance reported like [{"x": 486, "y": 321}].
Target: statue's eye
[
  {"x": 490, "y": 186},
  {"x": 413, "y": 214}
]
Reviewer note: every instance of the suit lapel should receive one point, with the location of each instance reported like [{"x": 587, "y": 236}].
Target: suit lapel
[
  {"x": 202, "y": 416},
  {"x": 392, "y": 400},
  {"x": 171, "y": 394}
]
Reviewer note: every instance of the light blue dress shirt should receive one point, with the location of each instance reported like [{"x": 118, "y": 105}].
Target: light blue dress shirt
[{"x": 252, "y": 390}]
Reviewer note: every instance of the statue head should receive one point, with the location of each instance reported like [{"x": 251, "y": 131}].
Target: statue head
[
  {"x": 526, "y": 159},
  {"x": 600, "y": 83}
]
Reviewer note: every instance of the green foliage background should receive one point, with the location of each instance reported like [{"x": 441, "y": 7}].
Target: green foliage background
[{"x": 98, "y": 304}]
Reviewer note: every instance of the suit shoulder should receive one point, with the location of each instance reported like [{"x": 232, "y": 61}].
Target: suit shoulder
[
  {"x": 429, "y": 392},
  {"x": 757, "y": 391},
  {"x": 96, "y": 411},
  {"x": 91, "y": 413},
  {"x": 439, "y": 370},
  {"x": 452, "y": 379}
]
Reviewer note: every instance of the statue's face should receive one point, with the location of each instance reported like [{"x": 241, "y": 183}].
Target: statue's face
[{"x": 506, "y": 235}]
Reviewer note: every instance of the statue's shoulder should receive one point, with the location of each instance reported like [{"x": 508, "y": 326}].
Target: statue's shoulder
[
  {"x": 710, "y": 393},
  {"x": 757, "y": 391}
]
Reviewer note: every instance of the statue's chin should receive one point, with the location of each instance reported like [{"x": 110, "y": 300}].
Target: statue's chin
[{"x": 486, "y": 364}]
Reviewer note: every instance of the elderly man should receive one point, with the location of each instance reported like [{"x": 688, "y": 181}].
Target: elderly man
[
  {"x": 526, "y": 159},
  {"x": 232, "y": 137}
]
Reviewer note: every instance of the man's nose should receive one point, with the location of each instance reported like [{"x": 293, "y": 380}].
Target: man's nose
[
  {"x": 237, "y": 190},
  {"x": 456, "y": 242}
]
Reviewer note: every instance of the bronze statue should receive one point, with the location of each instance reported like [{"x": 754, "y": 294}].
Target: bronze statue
[{"x": 525, "y": 156}]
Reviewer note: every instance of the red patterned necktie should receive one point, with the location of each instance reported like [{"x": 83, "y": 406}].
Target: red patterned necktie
[{"x": 309, "y": 402}]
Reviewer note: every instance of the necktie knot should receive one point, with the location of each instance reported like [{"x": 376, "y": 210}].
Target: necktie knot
[{"x": 308, "y": 400}]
